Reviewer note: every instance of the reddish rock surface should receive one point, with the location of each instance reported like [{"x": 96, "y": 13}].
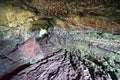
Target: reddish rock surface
[
  {"x": 16, "y": 58},
  {"x": 28, "y": 48}
]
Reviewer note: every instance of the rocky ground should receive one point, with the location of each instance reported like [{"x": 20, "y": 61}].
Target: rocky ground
[
  {"x": 82, "y": 40},
  {"x": 67, "y": 55}
]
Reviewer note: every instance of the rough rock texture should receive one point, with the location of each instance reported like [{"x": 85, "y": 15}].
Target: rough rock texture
[
  {"x": 64, "y": 8},
  {"x": 84, "y": 45},
  {"x": 69, "y": 55},
  {"x": 17, "y": 16},
  {"x": 10, "y": 59},
  {"x": 15, "y": 22}
]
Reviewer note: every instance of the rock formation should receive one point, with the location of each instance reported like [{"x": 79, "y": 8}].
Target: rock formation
[{"x": 81, "y": 42}]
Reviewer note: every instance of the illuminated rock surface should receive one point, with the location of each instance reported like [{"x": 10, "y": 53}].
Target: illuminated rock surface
[{"x": 84, "y": 44}]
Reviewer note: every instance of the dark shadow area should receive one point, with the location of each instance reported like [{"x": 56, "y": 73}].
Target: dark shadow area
[{"x": 13, "y": 73}]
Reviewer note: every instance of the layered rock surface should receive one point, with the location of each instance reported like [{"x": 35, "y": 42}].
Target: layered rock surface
[
  {"x": 84, "y": 44},
  {"x": 68, "y": 54}
]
